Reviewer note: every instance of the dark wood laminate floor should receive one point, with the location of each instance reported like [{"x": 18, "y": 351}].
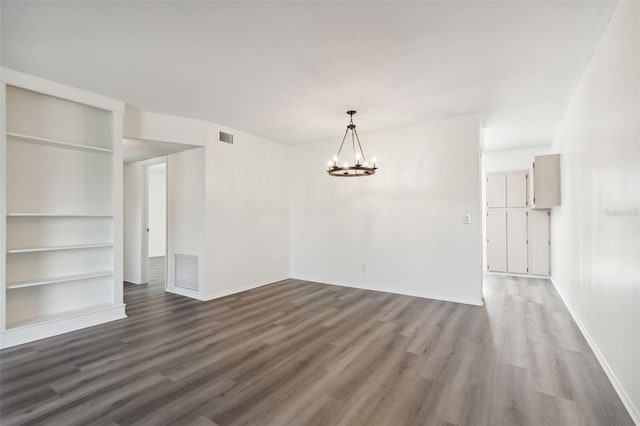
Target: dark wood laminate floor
[{"x": 298, "y": 353}]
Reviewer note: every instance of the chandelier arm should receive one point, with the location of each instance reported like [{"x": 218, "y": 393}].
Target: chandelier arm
[
  {"x": 353, "y": 146},
  {"x": 343, "y": 139},
  {"x": 364, "y": 158}
]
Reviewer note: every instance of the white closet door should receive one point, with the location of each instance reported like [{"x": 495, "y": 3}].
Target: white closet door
[
  {"x": 497, "y": 240},
  {"x": 517, "y": 189},
  {"x": 539, "y": 243},
  {"x": 517, "y": 241},
  {"x": 496, "y": 190}
]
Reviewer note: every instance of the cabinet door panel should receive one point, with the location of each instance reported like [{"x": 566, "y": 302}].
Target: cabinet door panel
[
  {"x": 497, "y": 240},
  {"x": 546, "y": 177},
  {"x": 517, "y": 189},
  {"x": 496, "y": 190},
  {"x": 517, "y": 241},
  {"x": 539, "y": 243}
]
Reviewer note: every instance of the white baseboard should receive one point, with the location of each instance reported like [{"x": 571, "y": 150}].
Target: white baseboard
[
  {"x": 512, "y": 274},
  {"x": 475, "y": 302},
  {"x": 624, "y": 397},
  {"x": 225, "y": 293},
  {"x": 194, "y": 294},
  {"x": 32, "y": 332}
]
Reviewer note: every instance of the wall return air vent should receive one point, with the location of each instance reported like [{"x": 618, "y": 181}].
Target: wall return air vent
[{"x": 226, "y": 137}]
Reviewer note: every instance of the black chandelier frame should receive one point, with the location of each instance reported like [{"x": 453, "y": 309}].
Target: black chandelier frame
[{"x": 360, "y": 167}]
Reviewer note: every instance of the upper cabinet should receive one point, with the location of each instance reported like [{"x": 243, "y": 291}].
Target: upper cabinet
[
  {"x": 546, "y": 181},
  {"x": 507, "y": 189},
  {"x": 496, "y": 190},
  {"x": 517, "y": 188}
]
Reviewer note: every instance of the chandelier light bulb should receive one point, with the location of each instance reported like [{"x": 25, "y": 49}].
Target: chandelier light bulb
[
  {"x": 346, "y": 164},
  {"x": 374, "y": 160},
  {"x": 329, "y": 163}
]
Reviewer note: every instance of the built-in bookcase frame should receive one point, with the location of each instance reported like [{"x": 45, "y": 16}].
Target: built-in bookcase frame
[{"x": 61, "y": 218}]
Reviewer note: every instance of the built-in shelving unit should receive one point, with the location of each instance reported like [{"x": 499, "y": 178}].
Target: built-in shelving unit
[{"x": 60, "y": 209}]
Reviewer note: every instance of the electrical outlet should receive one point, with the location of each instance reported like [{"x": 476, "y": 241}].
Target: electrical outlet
[{"x": 467, "y": 219}]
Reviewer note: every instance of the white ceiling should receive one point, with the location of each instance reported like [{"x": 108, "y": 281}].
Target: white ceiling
[{"x": 287, "y": 71}]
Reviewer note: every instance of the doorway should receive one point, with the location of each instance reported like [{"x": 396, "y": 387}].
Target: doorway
[
  {"x": 148, "y": 222},
  {"x": 156, "y": 221}
]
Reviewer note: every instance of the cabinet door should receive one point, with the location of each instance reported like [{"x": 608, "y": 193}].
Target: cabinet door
[
  {"x": 497, "y": 240},
  {"x": 517, "y": 189},
  {"x": 517, "y": 241},
  {"x": 546, "y": 181},
  {"x": 539, "y": 242},
  {"x": 496, "y": 190}
]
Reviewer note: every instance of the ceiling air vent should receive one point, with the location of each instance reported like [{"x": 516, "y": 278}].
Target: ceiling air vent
[{"x": 226, "y": 137}]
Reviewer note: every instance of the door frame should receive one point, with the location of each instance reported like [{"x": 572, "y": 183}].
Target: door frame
[{"x": 145, "y": 216}]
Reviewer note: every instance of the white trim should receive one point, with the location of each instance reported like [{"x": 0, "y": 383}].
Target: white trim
[
  {"x": 57, "y": 280},
  {"x": 144, "y": 249},
  {"x": 513, "y": 274},
  {"x": 57, "y": 143},
  {"x": 634, "y": 412},
  {"x": 403, "y": 292},
  {"x": 59, "y": 214},
  {"x": 225, "y": 293},
  {"x": 58, "y": 90},
  {"x": 3, "y": 204},
  {"x": 193, "y": 294},
  {"x": 29, "y": 333},
  {"x": 58, "y": 248}
]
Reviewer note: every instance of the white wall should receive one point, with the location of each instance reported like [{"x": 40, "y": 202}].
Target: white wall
[
  {"x": 596, "y": 256},
  {"x": 245, "y": 198},
  {"x": 134, "y": 223},
  {"x": 247, "y": 214},
  {"x": 157, "y": 209},
  {"x": 511, "y": 159},
  {"x": 405, "y": 224},
  {"x": 186, "y": 215}
]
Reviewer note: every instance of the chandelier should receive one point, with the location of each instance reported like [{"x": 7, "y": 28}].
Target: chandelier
[{"x": 360, "y": 166}]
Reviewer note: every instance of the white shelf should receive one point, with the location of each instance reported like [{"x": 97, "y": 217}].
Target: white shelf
[
  {"x": 54, "y": 142},
  {"x": 56, "y": 280},
  {"x": 54, "y": 248},
  {"x": 59, "y": 316},
  {"x": 59, "y": 215}
]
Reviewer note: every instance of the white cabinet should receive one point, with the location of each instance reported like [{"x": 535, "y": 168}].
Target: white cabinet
[
  {"x": 497, "y": 240},
  {"x": 546, "y": 181},
  {"x": 539, "y": 242},
  {"x": 61, "y": 233},
  {"x": 496, "y": 190},
  {"x": 517, "y": 236},
  {"x": 517, "y": 241},
  {"x": 517, "y": 188},
  {"x": 507, "y": 189}
]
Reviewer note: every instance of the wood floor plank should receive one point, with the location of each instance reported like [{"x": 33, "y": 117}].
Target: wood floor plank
[{"x": 302, "y": 353}]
